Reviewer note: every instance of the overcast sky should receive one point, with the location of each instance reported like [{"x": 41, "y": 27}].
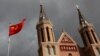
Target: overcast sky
[{"x": 62, "y": 13}]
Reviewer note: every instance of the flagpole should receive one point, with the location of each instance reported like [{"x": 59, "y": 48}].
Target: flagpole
[
  {"x": 9, "y": 43},
  {"x": 8, "y": 46},
  {"x": 8, "y": 51}
]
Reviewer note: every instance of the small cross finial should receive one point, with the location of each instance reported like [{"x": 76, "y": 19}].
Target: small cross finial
[
  {"x": 63, "y": 30},
  {"x": 77, "y": 6},
  {"x": 41, "y": 2}
]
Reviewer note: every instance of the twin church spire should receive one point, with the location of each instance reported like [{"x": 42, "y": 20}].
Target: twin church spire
[
  {"x": 45, "y": 23},
  {"x": 43, "y": 17},
  {"x": 44, "y": 27},
  {"x": 86, "y": 30},
  {"x": 46, "y": 38},
  {"x": 82, "y": 20},
  {"x": 42, "y": 13}
]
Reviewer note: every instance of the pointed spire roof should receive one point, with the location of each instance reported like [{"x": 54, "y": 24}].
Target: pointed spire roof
[
  {"x": 42, "y": 17},
  {"x": 82, "y": 19},
  {"x": 42, "y": 13}
]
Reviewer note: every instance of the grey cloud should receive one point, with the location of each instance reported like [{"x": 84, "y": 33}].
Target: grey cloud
[{"x": 62, "y": 13}]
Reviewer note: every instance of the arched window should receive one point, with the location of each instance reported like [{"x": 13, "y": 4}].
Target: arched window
[
  {"x": 52, "y": 34},
  {"x": 88, "y": 37},
  {"x": 48, "y": 34},
  {"x": 98, "y": 49},
  {"x": 94, "y": 36},
  {"x": 83, "y": 38},
  {"x": 69, "y": 54},
  {"x": 54, "y": 50},
  {"x": 42, "y": 34},
  {"x": 48, "y": 48}
]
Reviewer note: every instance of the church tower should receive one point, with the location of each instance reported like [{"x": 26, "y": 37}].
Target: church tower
[
  {"x": 89, "y": 36},
  {"x": 44, "y": 28},
  {"x": 46, "y": 39}
]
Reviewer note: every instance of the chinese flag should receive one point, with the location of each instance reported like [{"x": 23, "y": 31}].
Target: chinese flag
[{"x": 14, "y": 29}]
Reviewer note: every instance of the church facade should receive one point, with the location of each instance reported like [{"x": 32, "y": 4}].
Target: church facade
[{"x": 66, "y": 46}]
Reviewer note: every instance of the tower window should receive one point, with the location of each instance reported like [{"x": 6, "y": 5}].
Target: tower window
[
  {"x": 98, "y": 49},
  {"x": 42, "y": 33},
  {"x": 48, "y": 35},
  {"x": 88, "y": 37},
  {"x": 53, "y": 47},
  {"x": 69, "y": 54},
  {"x": 52, "y": 34},
  {"x": 48, "y": 48},
  {"x": 94, "y": 36},
  {"x": 38, "y": 33},
  {"x": 85, "y": 43}
]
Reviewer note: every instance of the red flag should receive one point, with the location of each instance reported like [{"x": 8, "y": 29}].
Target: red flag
[{"x": 14, "y": 29}]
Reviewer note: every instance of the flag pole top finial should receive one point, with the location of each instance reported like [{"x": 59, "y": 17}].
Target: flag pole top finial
[{"x": 24, "y": 18}]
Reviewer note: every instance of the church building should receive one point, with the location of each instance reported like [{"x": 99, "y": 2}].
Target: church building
[{"x": 65, "y": 45}]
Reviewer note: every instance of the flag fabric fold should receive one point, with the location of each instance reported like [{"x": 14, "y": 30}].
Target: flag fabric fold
[{"x": 14, "y": 29}]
